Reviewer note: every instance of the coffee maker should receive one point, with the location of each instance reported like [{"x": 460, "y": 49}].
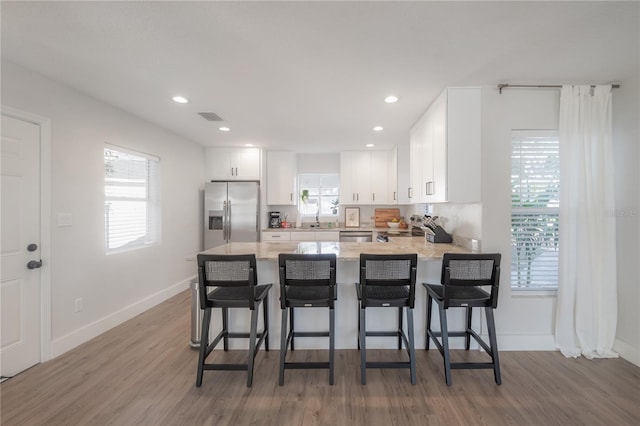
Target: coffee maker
[{"x": 274, "y": 220}]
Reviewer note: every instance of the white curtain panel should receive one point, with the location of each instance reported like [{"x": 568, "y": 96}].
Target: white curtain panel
[{"x": 587, "y": 309}]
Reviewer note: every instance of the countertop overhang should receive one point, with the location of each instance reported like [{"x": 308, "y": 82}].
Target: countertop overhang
[{"x": 349, "y": 251}]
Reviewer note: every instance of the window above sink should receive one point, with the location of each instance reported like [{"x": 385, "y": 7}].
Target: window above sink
[{"x": 319, "y": 194}]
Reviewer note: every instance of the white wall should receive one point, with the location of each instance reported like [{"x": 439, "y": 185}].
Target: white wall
[
  {"x": 119, "y": 286},
  {"x": 319, "y": 163},
  {"x": 523, "y": 322},
  {"x": 528, "y": 321},
  {"x": 626, "y": 138}
]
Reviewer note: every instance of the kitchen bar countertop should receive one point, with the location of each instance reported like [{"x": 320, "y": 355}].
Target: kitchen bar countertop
[
  {"x": 338, "y": 228},
  {"x": 349, "y": 251}
]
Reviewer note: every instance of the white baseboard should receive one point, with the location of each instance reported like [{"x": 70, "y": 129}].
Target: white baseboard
[
  {"x": 89, "y": 331},
  {"x": 525, "y": 342},
  {"x": 627, "y": 352}
]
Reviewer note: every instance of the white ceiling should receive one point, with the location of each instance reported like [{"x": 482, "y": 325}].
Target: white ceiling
[{"x": 311, "y": 76}]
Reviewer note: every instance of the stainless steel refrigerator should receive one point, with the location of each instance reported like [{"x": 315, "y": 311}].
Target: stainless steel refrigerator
[{"x": 231, "y": 212}]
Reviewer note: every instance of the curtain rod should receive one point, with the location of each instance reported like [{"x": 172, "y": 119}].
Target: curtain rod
[{"x": 540, "y": 86}]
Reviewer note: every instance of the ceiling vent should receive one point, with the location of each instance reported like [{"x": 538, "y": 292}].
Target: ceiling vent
[{"x": 210, "y": 116}]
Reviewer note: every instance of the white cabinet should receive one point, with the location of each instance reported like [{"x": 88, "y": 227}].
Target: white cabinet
[
  {"x": 392, "y": 176},
  {"x": 281, "y": 178},
  {"x": 276, "y": 236},
  {"x": 364, "y": 177},
  {"x": 355, "y": 177},
  {"x": 315, "y": 236},
  {"x": 380, "y": 177},
  {"x": 301, "y": 236},
  {"x": 233, "y": 163},
  {"x": 417, "y": 162},
  {"x": 327, "y": 236},
  {"x": 445, "y": 147}
]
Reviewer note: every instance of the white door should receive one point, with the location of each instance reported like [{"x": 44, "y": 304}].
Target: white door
[{"x": 20, "y": 244}]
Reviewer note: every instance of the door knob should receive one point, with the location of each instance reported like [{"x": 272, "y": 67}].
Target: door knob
[{"x": 34, "y": 264}]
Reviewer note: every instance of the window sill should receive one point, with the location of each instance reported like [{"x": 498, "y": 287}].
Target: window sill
[{"x": 525, "y": 292}]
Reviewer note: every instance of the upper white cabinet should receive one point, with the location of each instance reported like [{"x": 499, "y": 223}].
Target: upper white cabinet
[
  {"x": 364, "y": 178},
  {"x": 445, "y": 149},
  {"x": 281, "y": 178},
  {"x": 380, "y": 177},
  {"x": 392, "y": 177},
  {"x": 417, "y": 138},
  {"x": 355, "y": 177},
  {"x": 233, "y": 163}
]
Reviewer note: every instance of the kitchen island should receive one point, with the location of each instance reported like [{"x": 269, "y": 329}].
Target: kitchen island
[
  {"x": 347, "y": 273},
  {"x": 345, "y": 251}
]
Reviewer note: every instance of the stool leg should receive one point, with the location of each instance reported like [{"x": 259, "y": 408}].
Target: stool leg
[
  {"x": 225, "y": 328},
  {"x": 204, "y": 343},
  {"x": 363, "y": 348},
  {"x": 252, "y": 347},
  {"x": 491, "y": 326},
  {"x": 400, "y": 328},
  {"x": 412, "y": 347},
  {"x": 291, "y": 328},
  {"x": 427, "y": 339},
  {"x": 283, "y": 344},
  {"x": 467, "y": 332},
  {"x": 332, "y": 327},
  {"x": 445, "y": 344},
  {"x": 358, "y": 325},
  {"x": 265, "y": 322}
]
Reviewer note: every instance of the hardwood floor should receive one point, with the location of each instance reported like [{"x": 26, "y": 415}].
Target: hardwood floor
[{"x": 143, "y": 372}]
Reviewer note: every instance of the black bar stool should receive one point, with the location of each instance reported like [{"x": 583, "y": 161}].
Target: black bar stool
[
  {"x": 306, "y": 281},
  {"x": 234, "y": 278},
  {"x": 388, "y": 281},
  {"x": 462, "y": 279}
]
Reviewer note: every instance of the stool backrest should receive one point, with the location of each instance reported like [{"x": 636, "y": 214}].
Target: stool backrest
[
  {"x": 471, "y": 270},
  {"x": 226, "y": 271},
  {"x": 315, "y": 273},
  {"x": 384, "y": 270}
]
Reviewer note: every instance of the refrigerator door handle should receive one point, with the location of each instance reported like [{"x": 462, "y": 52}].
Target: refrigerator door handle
[
  {"x": 224, "y": 221},
  {"x": 229, "y": 221}
]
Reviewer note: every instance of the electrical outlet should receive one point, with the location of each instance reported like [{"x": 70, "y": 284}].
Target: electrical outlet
[{"x": 78, "y": 305}]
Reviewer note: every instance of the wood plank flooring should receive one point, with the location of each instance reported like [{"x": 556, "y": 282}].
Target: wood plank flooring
[{"x": 143, "y": 373}]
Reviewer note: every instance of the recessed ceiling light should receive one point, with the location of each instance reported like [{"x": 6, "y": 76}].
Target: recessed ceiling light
[
  {"x": 180, "y": 99},
  {"x": 391, "y": 99},
  {"x": 248, "y": 144},
  {"x": 369, "y": 145},
  {"x": 224, "y": 129},
  {"x": 378, "y": 129}
]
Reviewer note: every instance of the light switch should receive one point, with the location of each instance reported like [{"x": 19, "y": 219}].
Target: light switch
[{"x": 65, "y": 219}]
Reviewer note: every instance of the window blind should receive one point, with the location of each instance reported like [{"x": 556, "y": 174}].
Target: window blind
[
  {"x": 132, "y": 199},
  {"x": 535, "y": 185},
  {"x": 319, "y": 193}
]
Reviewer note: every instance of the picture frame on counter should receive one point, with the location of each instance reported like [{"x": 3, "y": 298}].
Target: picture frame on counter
[{"x": 352, "y": 217}]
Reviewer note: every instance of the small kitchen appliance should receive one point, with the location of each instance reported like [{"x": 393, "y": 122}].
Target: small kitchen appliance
[{"x": 274, "y": 220}]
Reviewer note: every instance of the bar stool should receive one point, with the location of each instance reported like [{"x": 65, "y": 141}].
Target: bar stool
[
  {"x": 306, "y": 281},
  {"x": 462, "y": 279},
  {"x": 388, "y": 281},
  {"x": 234, "y": 278}
]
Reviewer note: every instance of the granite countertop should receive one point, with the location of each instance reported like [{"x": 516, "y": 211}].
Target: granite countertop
[
  {"x": 324, "y": 228},
  {"x": 344, "y": 250}
]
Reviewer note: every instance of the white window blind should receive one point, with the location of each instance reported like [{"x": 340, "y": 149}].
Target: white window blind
[
  {"x": 535, "y": 185},
  {"x": 319, "y": 194},
  {"x": 132, "y": 199}
]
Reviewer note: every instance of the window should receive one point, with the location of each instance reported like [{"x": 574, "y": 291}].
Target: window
[
  {"x": 535, "y": 184},
  {"x": 131, "y": 199},
  {"x": 319, "y": 194}
]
